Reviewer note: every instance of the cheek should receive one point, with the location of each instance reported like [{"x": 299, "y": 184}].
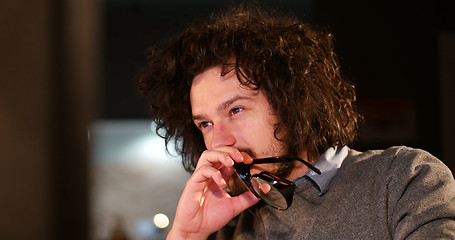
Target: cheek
[
  {"x": 245, "y": 133},
  {"x": 207, "y": 140},
  {"x": 256, "y": 133}
]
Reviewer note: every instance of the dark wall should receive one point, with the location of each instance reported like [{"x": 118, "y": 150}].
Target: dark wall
[
  {"x": 390, "y": 50},
  {"x": 48, "y": 98}
]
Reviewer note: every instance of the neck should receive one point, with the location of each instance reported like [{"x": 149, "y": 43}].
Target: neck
[{"x": 299, "y": 168}]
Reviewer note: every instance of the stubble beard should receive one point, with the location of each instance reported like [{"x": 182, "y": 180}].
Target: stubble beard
[{"x": 282, "y": 170}]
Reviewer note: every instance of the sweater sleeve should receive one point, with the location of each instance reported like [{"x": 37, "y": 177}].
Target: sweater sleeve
[{"x": 421, "y": 197}]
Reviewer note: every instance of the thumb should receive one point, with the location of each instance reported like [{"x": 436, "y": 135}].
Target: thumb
[{"x": 244, "y": 201}]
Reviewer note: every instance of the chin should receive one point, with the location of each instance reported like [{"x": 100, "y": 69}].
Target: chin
[{"x": 283, "y": 170}]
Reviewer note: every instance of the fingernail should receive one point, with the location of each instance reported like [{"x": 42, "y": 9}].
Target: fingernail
[
  {"x": 239, "y": 156},
  {"x": 229, "y": 161}
]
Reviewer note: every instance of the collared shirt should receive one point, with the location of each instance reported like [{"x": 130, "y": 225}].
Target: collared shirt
[{"x": 329, "y": 163}]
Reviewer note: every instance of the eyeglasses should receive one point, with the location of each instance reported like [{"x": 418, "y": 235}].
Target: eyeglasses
[{"x": 275, "y": 191}]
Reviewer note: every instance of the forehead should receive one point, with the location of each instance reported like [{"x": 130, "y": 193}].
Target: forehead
[
  {"x": 209, "y": 89},
  {"x": 209, "y": 85}
]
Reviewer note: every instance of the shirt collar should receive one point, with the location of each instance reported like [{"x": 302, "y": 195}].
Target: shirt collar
[{"x": 329, "y": 163}]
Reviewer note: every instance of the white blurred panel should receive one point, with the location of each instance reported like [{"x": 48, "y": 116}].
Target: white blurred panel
[{"x": 133, "y": 179}]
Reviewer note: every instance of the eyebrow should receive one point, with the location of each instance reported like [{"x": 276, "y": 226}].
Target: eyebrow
[{"x": 222, "y": 106}]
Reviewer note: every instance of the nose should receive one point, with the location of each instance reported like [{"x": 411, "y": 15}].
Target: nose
[{"x": 222, "y": 135}]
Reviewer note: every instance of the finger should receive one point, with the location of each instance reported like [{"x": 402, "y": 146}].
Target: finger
[
  {"x": 247, "y": 159},
  {"x": 207, "y": 173},
  {"x": 227, "y": 172},
  {"x": 244, "y": 201},
  {"x": 214, "y": 159},
  {"x": 222, "y": 156},
  {"x": 233, "y": 153}
]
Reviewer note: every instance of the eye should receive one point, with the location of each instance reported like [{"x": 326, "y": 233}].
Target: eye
[
  {"x": 203, "y": 125},
  {"x": 235, "y": 110}
]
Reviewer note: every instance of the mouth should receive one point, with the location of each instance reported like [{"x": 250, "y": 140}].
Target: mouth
[
  {"x": 256, "y": 169},
  {"x": 248, "y": 151}
]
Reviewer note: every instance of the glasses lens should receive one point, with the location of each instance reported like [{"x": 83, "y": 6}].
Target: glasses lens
[
  {"x": 236, "y": 185},
  {"x": 269, "y": 193}
]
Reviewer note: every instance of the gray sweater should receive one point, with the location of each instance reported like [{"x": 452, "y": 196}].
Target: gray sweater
[{"x": 398, "y": 193}]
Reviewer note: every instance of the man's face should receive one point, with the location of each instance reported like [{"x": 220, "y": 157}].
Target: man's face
[{"x": 230, "y": 114}]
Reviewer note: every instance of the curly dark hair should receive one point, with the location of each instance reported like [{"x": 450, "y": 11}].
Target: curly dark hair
[{"x": 294, "y": 63}]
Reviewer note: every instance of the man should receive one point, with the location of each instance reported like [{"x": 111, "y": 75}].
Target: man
[{"x": 252, "y": 84}]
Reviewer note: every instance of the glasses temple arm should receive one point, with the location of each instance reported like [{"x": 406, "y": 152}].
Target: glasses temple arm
[
  {"x": 315, "y": 169},
  {"x": 287, "y": 159}
]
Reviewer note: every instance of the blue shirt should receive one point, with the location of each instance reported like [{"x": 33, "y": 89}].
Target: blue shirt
[{"x": 329, "y": 163}]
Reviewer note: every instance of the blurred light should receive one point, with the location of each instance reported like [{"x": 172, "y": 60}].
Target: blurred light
[
  {"x": 129, "y": 141},
  {"x": 161, "y": 220}
]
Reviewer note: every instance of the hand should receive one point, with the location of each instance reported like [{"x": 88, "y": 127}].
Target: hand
[{"x": 205, "y": 206}]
